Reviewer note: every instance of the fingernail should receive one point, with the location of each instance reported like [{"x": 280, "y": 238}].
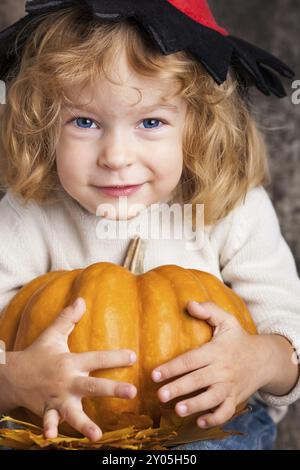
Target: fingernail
[
  {"x": 133, "y": 357},
  {"x": 165, "y": 394},
  {"x": 182, "y": 409},
  {"x": 94, "y": 433},
  {"x": 200, "y": 307},
  {"x": 50, "y": 433},
  {"x": 156, "y": 375},
  {"x": 126, "y": 391},
  {"x": 202, "y": 423},
  {"x": 77, "y": 302}
]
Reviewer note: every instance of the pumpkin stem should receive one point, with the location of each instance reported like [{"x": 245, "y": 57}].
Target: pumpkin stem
[{"x": 134, "y": 259}]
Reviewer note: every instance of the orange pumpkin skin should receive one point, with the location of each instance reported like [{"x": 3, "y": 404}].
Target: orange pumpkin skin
[{"x": 145, "y": 313}]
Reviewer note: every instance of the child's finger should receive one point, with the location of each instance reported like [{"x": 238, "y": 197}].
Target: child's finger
[
  {"x": 95, "y": 360},
  {"x": 50, "y": 423},
  {"x": 220, "y": 416},
  {"x": 186, "y": 362},
  {"x": 75, "y": 416},
  {"x": 211, "y": 398},
  {"x": 210, "y": 312},
  {"x": 65, "y": 322},
  {"x": 95, "y": 387},
  {"x": 188, "y": 383}
]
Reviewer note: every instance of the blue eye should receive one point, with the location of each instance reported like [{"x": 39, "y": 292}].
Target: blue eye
[
  {"x": 86, "y": 122},
  {"x": 151, "y": 120}
]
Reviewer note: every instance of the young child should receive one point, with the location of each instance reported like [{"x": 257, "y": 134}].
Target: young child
[{"x": 153, "y": 96}]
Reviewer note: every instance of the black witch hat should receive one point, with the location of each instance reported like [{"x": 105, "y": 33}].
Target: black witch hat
[{"x": 174, "y": 25}]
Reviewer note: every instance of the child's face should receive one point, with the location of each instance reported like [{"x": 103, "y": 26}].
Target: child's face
[{"x": 119, "y": 143}]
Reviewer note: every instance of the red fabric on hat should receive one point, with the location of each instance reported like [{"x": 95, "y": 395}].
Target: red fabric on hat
[{"x": 199, "y": 11}]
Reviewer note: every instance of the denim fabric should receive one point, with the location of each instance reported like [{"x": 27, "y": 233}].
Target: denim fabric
[{"x": 258, "y": 428}]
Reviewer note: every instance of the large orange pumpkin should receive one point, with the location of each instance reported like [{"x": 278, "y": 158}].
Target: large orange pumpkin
[{"x": 145, "y": 312}]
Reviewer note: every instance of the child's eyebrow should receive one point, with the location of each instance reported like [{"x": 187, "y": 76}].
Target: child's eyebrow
[{"x": 169, "y": 107}]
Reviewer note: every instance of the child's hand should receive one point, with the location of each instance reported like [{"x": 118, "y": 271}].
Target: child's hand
[
  {"x": 231, "y": 365},
  {"x": 51, "y": 381}
]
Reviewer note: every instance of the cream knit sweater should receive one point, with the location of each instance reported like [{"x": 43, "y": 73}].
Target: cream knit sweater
[{"x": 245, "y": 250}]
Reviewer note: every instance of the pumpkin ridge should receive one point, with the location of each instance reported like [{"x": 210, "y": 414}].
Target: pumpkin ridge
[
  {"x": 38, "y": 294},
  {"x": 175, "y": 295},
  {"x": 11, "y": 320},
  {"x": 92, "y": 319},
  {"x": 199, "y": 285},
  {"x": 190, "y": 272},
  {"x": 154, "y": 278},
  {"x": 179, "y": 309}
]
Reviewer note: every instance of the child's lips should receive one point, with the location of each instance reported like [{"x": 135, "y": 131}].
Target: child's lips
[{"x": 116, "y": 191}]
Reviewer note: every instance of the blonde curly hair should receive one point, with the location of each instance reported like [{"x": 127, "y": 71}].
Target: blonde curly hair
[{"x": 224, "y": 153}]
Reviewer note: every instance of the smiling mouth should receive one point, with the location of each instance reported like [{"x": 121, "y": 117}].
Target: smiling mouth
[
  {"x": 124, "y": 186},
  {"x": 117, "y": 191}
]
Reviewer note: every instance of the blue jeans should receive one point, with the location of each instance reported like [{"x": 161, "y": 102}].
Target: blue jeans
[{"x": 258, "y": 428}]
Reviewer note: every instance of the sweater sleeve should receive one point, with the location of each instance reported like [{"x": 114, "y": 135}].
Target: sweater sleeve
[
  {"x": 258, "y": 265},
  {"x": 21, "y": 258}
]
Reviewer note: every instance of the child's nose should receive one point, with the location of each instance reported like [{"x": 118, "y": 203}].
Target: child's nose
[
  {"x": 117, "y": 153},
  {"x": 115, "y": 160}
]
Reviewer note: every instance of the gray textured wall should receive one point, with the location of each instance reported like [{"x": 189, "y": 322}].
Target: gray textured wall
[{"x": 275, "y": 26}]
